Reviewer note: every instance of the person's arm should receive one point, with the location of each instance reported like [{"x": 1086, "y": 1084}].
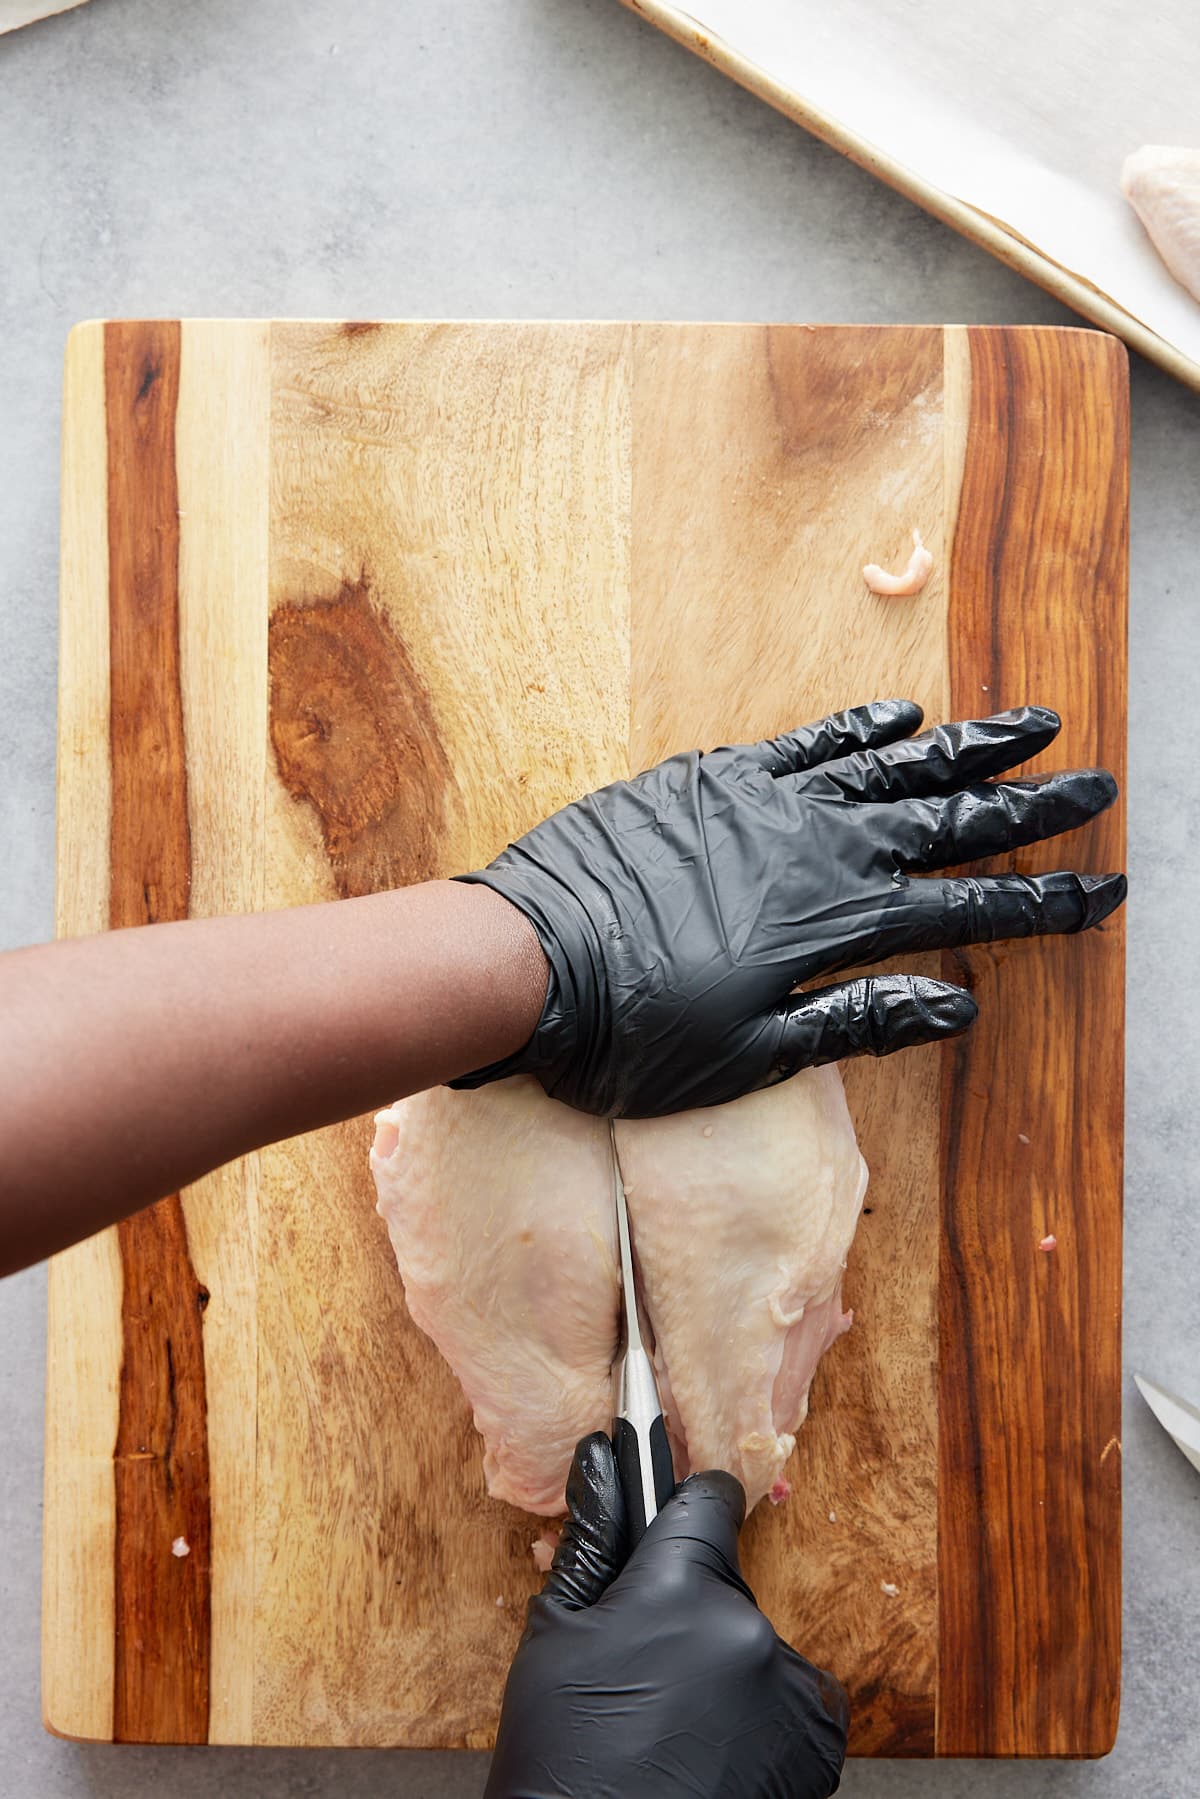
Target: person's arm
[
  {"x": 642, "y": 951},
  {"x": 134, "y": 1062}
]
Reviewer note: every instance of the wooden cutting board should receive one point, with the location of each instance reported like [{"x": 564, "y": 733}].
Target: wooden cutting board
[{"x": 348, "y": 605}]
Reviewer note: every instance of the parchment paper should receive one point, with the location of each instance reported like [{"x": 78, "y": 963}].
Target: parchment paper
[{"x": 1021, "y": 109}]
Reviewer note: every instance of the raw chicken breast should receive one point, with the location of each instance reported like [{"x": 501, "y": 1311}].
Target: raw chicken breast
[
  {"x": 742, "y": 1216},
  {"x": 1162, "y": 184},
  {"x": 499, "y": 1205}
]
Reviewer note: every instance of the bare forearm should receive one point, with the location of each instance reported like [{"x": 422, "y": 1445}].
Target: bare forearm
[{"x": 131, "y": 1064}]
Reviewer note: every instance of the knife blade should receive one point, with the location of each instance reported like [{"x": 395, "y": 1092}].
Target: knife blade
[
  {"x": 639, "y": 1433},
  {"x": 1179, "y": 1419}
]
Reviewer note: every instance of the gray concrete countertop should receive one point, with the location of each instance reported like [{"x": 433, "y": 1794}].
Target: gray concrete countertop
[{"x": 534, "y": 158}]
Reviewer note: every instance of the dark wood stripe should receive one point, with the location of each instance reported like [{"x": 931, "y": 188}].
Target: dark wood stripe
[
  {"x": 1029, "y": 1454},
  {"x": 162, "y": 1600}
]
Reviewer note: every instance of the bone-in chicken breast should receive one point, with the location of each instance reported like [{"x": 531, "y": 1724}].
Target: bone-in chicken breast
[
  {"x": 499, "y": 1204},
  {"x": 743, "y": 1216},
  {"x": 500, "y": 1208}
]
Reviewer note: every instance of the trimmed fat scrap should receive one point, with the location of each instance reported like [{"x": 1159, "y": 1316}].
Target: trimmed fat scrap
[
  {"x": 910, "y": 580},
  {"x": 499, "y": 1204}
]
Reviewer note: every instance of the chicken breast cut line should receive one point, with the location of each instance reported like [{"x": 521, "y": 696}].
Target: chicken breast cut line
[{"x": 499, "y": 1205}]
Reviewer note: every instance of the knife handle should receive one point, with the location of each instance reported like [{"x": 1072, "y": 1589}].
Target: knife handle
[{"x": 642, "y": 1457}]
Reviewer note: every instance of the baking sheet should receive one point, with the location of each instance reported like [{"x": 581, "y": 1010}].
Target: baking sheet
[
  {"x": 14, "y": 13},
  {"x": 1023, "y": 112}
]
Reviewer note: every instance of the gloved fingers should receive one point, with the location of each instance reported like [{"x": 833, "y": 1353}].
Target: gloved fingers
[
  {"x": 944, "y": 759},
  {"x": 697, "y": 1528},
  {"x": 594, "y": 1540},
  {"x": 987, "y": 908},
  {"x": 990, "y": 818},
  {"x": 870, "y": 1017},
  {"x": 862, "y": 727},
  {"x": 925, "y": 915}
]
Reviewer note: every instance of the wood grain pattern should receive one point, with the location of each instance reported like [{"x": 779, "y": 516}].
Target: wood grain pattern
[
  {"x": 1029, "y": 1404},
  {"x": 222, "y": 450},
  {"x": 161, "y": 1625},
  {"x": 375, "y": 599},
  {"x": 355, "y": 738},
  {"x": 448, "y": 658},
  {"x": 83, "y": 1338},
  {"x": 823, "y": 450}
]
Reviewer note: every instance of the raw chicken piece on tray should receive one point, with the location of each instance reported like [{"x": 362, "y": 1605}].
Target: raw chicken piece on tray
[
  {"x": 499, "y": 1204},
  {"x": 1162, "y": 184}
]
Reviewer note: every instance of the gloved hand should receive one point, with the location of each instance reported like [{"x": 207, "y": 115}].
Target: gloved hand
[
  {"x": 663, "y": 1680},
  {"x": 679, "y": 910}
]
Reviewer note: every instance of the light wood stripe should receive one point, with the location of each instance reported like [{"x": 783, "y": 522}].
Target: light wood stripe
[
  {"x": 449, "y": 661},
  {"x": 82, "y": 1366},
  {"x": 84, "y": 798},
  {"x": 821, "y": 451},
  {"x": 956, "y": 414},
  {"x": 222, "y": 448}
]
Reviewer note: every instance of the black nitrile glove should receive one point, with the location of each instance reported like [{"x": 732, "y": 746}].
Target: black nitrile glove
[
  {"x": 679, "y": 910},
  {"x": 662, "y": 1681}
]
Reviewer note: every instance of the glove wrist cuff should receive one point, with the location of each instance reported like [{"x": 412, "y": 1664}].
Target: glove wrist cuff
[{"x": 572, "y": 1034}]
